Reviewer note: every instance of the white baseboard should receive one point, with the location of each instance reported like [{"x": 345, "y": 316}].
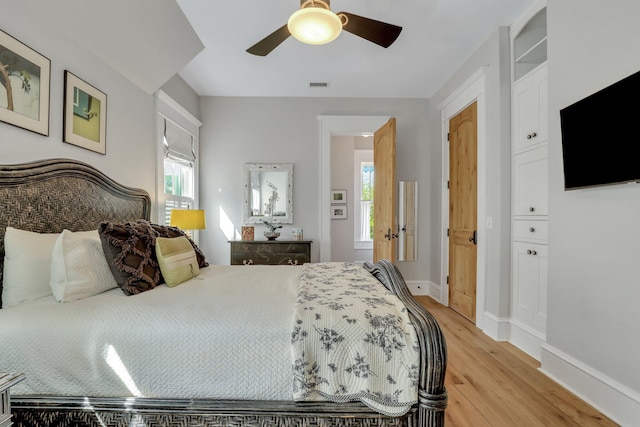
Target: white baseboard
[
  {"x": 526, "y": 339},
  {"x": 613, "y": 399},
  {"x": 498, "y": 328},
  {"x": 421, "y": 287}
]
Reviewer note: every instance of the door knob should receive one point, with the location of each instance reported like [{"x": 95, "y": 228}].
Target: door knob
[{"x": 474, "y": 237}]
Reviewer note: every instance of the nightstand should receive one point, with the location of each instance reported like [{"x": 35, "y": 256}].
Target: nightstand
[
  {"x": 6, "y": 382},
  {"x": 272, "y": 252}
]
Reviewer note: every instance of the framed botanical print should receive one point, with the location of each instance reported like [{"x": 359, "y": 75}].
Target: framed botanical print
[
  {"x": 25, "y": 80},
  {"x": 85, "y": 114}
]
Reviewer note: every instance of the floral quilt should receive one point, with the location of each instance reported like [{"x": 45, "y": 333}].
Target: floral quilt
[{"x": 352, "y": 340}]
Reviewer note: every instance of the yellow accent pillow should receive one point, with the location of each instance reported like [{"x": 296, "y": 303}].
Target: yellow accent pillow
[{"x": 177, "y": 259}]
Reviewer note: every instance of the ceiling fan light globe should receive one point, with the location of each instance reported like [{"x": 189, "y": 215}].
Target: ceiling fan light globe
[{"x": 314, "y": 25}]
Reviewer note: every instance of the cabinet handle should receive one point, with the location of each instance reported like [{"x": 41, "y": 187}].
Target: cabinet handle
[
  {"x": 531, "y": 209},
  {"x": 530, "y": 252},
  {"x": 245, "y": 262},
  {"x": 532, "y": 229},
  {"x": 532, "y": 135},
  {"x": 293, "y": 262}
]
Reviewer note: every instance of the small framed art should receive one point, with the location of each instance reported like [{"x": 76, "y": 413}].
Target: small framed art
[
  {"x": 338, "y": 196},
  {"x": 339, "y": 212},
  {"x": 85, "y": 115},
  {"x": 24, "y": 86}
]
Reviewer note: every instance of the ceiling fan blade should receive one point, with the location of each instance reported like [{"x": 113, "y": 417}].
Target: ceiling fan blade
[
  {"x": 380, "y": 33},
  {"x": 272, "y": 41}
]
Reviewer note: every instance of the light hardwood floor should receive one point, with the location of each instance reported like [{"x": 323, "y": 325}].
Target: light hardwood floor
[{"x": 495, "y": 384}]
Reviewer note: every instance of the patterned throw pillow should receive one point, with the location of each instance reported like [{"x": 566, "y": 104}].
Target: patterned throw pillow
[
  {"x": 130, "y": 252},
  {"x": 177, "y": 260}
]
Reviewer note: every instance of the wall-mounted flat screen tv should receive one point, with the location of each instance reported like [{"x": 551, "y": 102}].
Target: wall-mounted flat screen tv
[{"x": 600, "y": 138}]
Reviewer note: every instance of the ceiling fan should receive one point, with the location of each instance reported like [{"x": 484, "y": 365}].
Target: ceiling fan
[{"x": 315, "y": 23}]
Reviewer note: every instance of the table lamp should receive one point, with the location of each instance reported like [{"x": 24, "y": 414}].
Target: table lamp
[{"x": 188, "y": 219}]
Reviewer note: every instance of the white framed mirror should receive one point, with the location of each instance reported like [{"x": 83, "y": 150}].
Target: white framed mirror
[
  {"x": 261, "y": 182},
  {"x": 408, "y": 221}
]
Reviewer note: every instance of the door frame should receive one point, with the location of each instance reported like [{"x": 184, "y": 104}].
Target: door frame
[
  {"x": 337, "y": 126},
  {"x": 473, "y": 89}
]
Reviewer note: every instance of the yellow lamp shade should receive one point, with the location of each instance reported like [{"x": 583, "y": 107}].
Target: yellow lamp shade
[{"x": 188, "y": 219}]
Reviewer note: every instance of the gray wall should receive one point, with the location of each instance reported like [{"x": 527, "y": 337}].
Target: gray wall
[
  {"x": 131, "y": 137},
  {"x": 493, "y": 57},
  {"x": 342, "y": 178},
  {"x": 342, "y": 230},
  {"x": 182, "y": 93},
  {"x": 593, "y": 233},
  {"x": 286, "y": 130}
]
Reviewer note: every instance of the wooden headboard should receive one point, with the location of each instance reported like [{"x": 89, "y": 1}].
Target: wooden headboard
[{"x": 48, "y": 196}]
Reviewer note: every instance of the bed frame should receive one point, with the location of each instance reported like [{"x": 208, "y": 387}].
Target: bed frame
[{"x": 51, "y": 195}]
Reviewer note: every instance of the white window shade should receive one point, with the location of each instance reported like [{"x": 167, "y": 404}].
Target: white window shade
[{"x": 178, "y": 144}]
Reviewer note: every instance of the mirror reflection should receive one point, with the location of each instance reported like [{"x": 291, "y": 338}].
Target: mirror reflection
[
  {"x": 407, "y": 220},
  {"x": 268, "y": 193}
]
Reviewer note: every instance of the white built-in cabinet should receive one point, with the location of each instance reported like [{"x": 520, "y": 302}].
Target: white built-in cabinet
[{"x": 529, "y": 176}]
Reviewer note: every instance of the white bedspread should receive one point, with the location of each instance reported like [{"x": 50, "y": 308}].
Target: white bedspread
[{"x": 184, "y": 346}]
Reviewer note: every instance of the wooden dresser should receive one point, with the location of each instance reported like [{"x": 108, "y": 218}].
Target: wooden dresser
[
  {"x": 6, "y": 382},
  {"x": 272, "y": 252}
]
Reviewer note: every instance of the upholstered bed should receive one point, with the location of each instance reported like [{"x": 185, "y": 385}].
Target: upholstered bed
[{"x": 50, "y": 196}]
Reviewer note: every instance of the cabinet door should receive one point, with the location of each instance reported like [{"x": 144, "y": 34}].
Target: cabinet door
[
  {"x": 530, "y": 111},
  {"x": 530, "y": 182},
  {"x": 529, "y": 284}
]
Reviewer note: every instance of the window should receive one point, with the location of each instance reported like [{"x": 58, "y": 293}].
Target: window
[
  {"x": 178, "y": 158},
  {"x": 179, "y": 169},
  {"x": 363, "y": 199},
  {"x": 366, "y": 201},
  {"x": 178, "y": 187}
]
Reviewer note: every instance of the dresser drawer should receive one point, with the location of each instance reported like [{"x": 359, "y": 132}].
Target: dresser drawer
[
  {"x": 529, "y": 230},
  {"x": 270, "y": 252},
  {"x": 269, "y": 258},
  {"x": 262, "y": 247}
]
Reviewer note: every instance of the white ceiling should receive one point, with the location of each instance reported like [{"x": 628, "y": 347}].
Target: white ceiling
[
  {"x": 205, "y": 41},
  {"x": 437, "y": 37}
]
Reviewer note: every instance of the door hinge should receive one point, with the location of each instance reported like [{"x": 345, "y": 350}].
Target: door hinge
[
  {"x": 447, "y": 136},
  {"x": 448, "y": 184},
  {"x": 447, "y": 232},
  {"x": 447, "y": 280}
]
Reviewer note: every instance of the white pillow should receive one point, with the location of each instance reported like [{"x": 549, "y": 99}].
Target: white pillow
[
  {"x": 27, "y": 265},
  {"x": 79, "y": 268}
]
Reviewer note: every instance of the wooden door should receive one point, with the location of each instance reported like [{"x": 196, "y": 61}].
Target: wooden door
[
  {"x": 463, "y": 212},
  {"x": 384, "y": 192}
]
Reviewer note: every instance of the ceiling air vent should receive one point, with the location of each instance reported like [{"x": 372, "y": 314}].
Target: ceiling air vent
[{"x": 318, "y": 84}]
